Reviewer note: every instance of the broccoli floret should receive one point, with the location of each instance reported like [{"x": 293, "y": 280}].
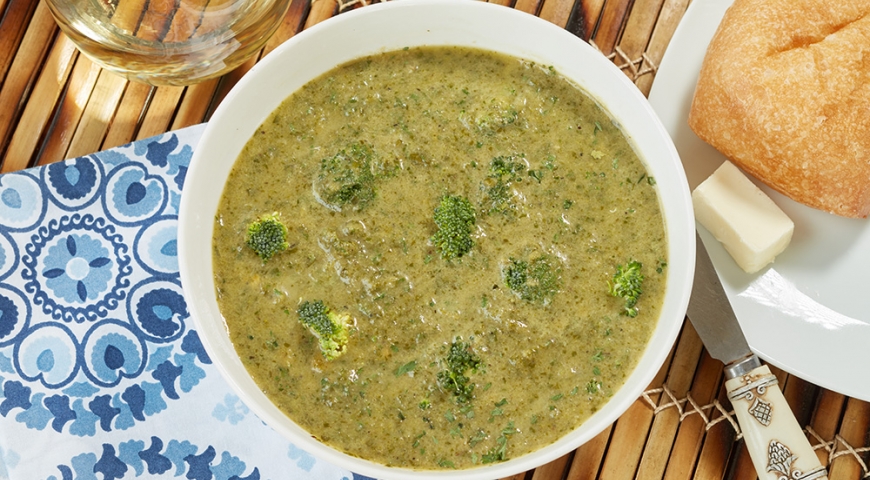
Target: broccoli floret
[
  {"x": 535, "y": 280},
  {"x": 504, "y": 171},
  {"x": 508, "y": 168},
  {"x": 454, "y": 217},
  {"x": 495, "y": 117},
  {"x": 626, "y": 284},
  {"x": 347, "y": 178},
  {"x": 267, "y": 236},
  {"x": 459, "y": 362},
  {"x": 330, "y": 328}
]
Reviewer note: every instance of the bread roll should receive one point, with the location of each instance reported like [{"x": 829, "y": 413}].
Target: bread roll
[{"x": 784, "y": 93}]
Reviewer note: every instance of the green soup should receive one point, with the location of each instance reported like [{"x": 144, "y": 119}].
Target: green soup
[{"x": 553, "y": 183}]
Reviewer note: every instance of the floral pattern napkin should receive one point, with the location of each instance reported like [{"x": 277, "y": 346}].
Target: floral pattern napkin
[{"x": 102, "y": 374}]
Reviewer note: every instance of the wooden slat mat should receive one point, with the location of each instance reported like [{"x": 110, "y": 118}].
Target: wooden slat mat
[{"x": 56, "y": 104}]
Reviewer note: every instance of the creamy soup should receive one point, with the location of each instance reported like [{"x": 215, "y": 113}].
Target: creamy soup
[{"x": 559, "y": 204}]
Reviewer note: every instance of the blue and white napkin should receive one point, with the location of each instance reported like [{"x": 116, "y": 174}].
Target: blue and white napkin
[{"x": 102, "y": 374}]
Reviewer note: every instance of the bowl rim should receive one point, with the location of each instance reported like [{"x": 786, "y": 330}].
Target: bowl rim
[{"x": 257, "y": 88}]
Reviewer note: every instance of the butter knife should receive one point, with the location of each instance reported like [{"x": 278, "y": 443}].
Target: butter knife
[{"x": 776, "y": 443}]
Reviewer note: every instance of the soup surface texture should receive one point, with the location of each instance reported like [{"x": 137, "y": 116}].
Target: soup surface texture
[{"x": 452, "y": 361}]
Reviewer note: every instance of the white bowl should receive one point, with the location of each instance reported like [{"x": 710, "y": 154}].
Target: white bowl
[{"x": 391, "y": 26}]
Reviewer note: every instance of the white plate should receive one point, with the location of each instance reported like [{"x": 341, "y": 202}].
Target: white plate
[{"x": 809, "y": 313}]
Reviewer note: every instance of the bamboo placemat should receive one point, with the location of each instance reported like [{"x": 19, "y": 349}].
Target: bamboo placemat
[{"x": 56, "y": 104}]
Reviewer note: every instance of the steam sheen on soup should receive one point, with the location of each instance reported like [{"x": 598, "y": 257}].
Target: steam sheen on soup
[{"x": 554, "y": 185}]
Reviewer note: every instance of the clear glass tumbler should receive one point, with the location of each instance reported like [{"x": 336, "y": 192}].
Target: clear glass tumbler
[{"x": 169, "y": 42}]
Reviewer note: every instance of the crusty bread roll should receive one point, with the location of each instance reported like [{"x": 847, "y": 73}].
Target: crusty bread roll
[{"x": 784, "y": 93}]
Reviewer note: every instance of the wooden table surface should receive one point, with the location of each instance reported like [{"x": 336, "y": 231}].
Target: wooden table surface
[{"x": 56, "y": 104}]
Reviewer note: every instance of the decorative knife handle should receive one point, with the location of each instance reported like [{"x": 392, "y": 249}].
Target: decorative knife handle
[{"x": 776, "y": 442}]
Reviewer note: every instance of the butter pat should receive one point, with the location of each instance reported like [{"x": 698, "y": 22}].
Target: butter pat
[{"x": 751, "y": 227}]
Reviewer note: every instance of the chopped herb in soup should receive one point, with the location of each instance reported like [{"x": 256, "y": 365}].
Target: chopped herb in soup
[{"x": 439, "y": 258}]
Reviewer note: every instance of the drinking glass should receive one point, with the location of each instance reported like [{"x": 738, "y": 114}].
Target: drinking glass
[{"x": 168, "y": 42}]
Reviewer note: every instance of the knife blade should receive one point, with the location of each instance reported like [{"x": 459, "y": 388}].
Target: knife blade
[
  {"x": 775, "y": 441},
  {"x": 711, "y": 313}
]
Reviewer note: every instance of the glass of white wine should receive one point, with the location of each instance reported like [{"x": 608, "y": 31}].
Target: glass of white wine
[{"x": 169, "y": 42}]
